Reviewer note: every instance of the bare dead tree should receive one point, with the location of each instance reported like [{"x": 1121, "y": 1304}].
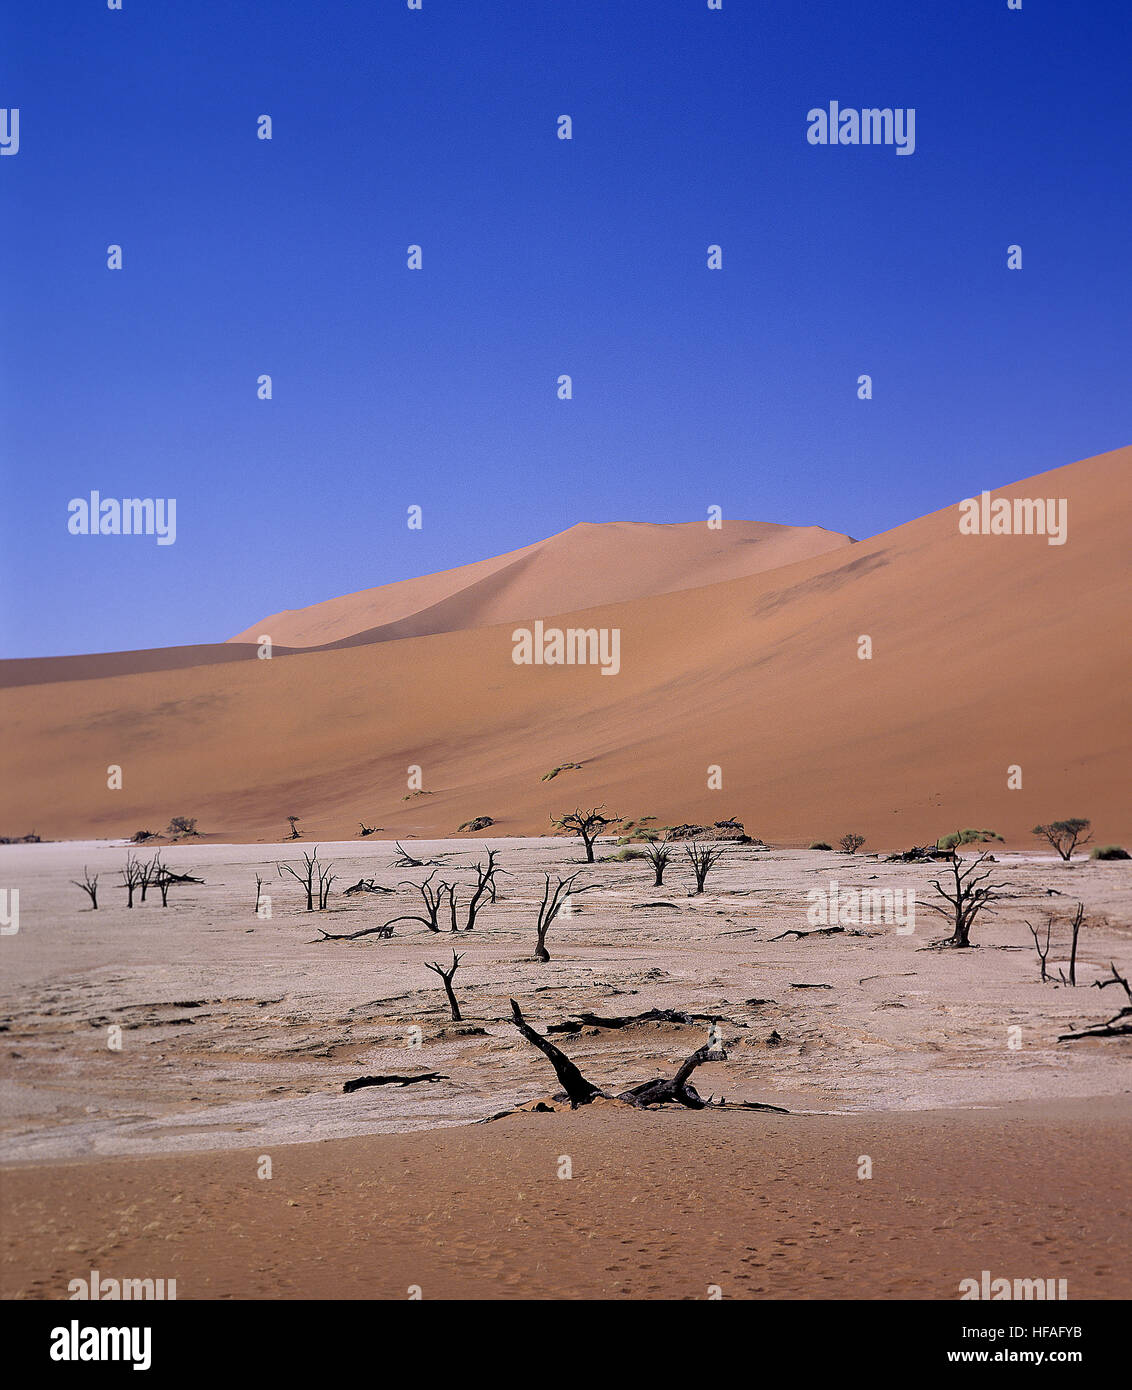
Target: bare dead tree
[
  {"x": 703, "y": 858},
  {"x": 679, "y": 1089},
  {"x": 360, "y": 1081},
  {"x": 851, "y": 843},
  {"x": 296, "y": 833},
  {"x": 312, "y": 870},
  {"x": 972, "y": 894},
  {"x": 164, "y": 879},
  {"x": 1078, "y": 921},
  {"x": 432, "y": 899},
  {"x": 1043, "y": 952},
  {"x": 446, "y": 976},
  {"x": 552, "y": 902},
  {"x": 658, "y": 854},
  {"x": 580, "y": 1091},
  {"x": 365, "y": 885},
  {"x": 258, "y": 893},
  {"x": 405, "y": 860},
  {"x": 485, "y": 889},
  {"x": 1119, "y": 1024},
  {"x": 587, "y": 824},
  {"x": 325, "y": 879},
  {"x": 131, "y": 877},
  {"x": 1065, "y": 835},
  {"x": 89, "y": 886},
  {"x": 149, "y": 870}
]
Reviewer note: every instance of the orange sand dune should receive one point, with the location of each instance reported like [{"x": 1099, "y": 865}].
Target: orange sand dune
[
  {"x": 586, "y": 565},
  {"x": 988, "y": 652}
]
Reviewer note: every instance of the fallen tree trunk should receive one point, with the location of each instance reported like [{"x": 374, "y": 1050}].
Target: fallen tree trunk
[
  {"x": 661, "y": 1091},
  {"x": 576, "y": 1022},
  {"x": 366, "y": 885},
  {"x": 578, "y": 1090},
  {"x": 359, "y": 1082},
  {"x": 385, "y": 930}
]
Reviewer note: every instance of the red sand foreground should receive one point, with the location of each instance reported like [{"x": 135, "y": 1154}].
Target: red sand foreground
[{"x": 663, "y": 1205}]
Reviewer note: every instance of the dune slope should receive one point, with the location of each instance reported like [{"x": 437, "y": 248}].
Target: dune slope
[
  {"x": 989, "y": 652},
  {"x": 586, "y": 565}
]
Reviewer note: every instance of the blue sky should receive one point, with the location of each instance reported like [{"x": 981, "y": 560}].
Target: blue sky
[{"x": 588, "y": 257}]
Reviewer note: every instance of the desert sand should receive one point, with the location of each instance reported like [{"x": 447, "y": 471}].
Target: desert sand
[
  {"x": 658, "y": 1206},
  {"x": 989, "y": 652},
  {"x": 238, "y": 1033}
]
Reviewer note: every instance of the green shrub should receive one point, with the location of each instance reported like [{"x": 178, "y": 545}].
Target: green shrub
[
  {"x": 966, "y": 837},
  {"x": 1109, "y": 852},
  {"x": 622, "y": 855},
  {"x": 820, "y": 844}
]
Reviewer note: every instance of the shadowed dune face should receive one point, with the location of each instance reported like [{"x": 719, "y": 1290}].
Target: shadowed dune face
[
  {"x": 988, "y": 651},
  {"x": 579, "y": 568}
]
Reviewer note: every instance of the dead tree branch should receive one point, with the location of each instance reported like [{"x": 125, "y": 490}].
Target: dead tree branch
[
  {"x": 446, "y": 976},
  {"x": 972, "y": 894},
  {"x": 89, "y": 886},
  {"x": 703, "y": 858},
  {"x": 361, "y": 1081},
  {"x": 1120, "y": 1024}
]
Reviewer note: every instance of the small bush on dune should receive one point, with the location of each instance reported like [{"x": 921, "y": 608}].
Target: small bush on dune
[
  {"x": 966, "y": 837},
  {"x": 850, "y": 844},
  {"x": 480, "y": 823},
  {"x": 820, "y": 844},
  {"x": 1109, "y": 852},
  {"x": 562, "y": 767}
]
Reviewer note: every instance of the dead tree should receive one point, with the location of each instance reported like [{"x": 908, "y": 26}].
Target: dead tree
[
  {"x": 1120, "y": 1024},
  {"x": 433, "y": 900},
  {"x": 365, "y": 885},
  {"x": 1065, "y": 835},
  {"x": 703, "y": 858},
  {"x": 446, "y": 976},
  {"x": 1078, "y": 920},
  {"x": 1043, "y": 952},
  {"x": 149, "y": 871},
  {"x": 851, "y": 843},
  {"x": 163, "y": 880},
  {"x": 552, "y": 901},
  {"x": 658, "y": 855},
  {"x": 89, "y": 886},
  {"x": 258, "y": 892},
  {"x": 578, "y": 1090},
  {"x": 972, "y": 894},
  {"x": 131, "y": 877},
  {"x": 662, "y": 1091},
  {"x": 405, "y": 860},
  {"x": 325, "y": 879},
  {"x": 296, "y": 833},
  {"x": 385, "y": 931},
  {"x": 359, "y": 1082},
  {"x": 485, "y": 889},
  {"x": 587, "y": 824},
  {"x": 306, "y": 880}
]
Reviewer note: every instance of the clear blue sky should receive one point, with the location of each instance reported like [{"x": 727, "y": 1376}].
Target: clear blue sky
[{"x": 541, "y": 256}]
